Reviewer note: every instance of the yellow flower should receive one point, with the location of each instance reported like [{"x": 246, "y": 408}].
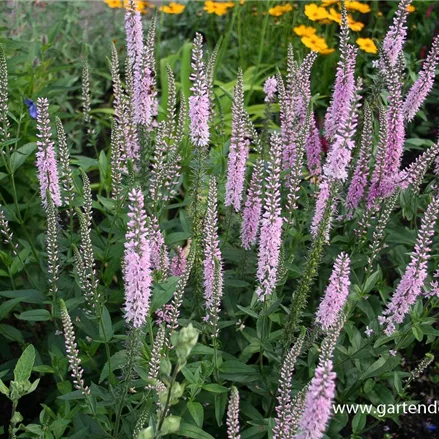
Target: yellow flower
[
  {"x": 113, "y": 3},
  {"x": 326, "y": 51},
  {"x": 326, "y": 3},
  {"x": 317, "y": 44},
  {"x": 215, "y": 8},
  {"x": 304, "y": 31},
  {"x": 173, "y": 8},
  {"x": 314, "y": 12},
  {"x": 229, "y": 4},
  {"x": 367, "y": 45},
  {"x": 356, "y": 26},
  {"x": 411, "y": 8},
  {"x": 357, "y": 6},
  {"x": 333, "y": 15},
  {"x": 141, "y": 6},
  {"x": 380, "y": 14},
  {"x": 277, "y": 11}
]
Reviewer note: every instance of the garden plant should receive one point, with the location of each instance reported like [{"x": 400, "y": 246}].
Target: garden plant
[{"x": 191, "y": 248}]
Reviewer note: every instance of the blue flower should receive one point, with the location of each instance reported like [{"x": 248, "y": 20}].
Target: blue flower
[{"x": 32, "y": 108}]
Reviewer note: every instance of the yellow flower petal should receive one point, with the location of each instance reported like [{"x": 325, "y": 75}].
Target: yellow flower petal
[
  {"x": 173, "y": 8},
  {"x": 304, "y": 31},
  {"x": 315, "y": 13},
  {"x": 113, "y": 3},
  {"x": 367, "y": 45},
  {"x": 357, "y": 6}
]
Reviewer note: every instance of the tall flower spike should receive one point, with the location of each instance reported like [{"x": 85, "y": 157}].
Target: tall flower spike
[
  {"x": 86, "y": 99},
  {"x": 271, "y": 229},
  {"x": 321, "y": 209},
  {"x": 136, "y": 264},
  {"x": 46, "y": 158},
  {"x": 156, "y": 353},
  {"x": 396, "y": 35},
  {"x": 116, "y": 162},
  {"x": 340, "y": 153},
  {"x": 159, "y": 253},
  {"x": 344, "y": 88},
  {"x": 378, "y": 174},
  {"x": 395, "y": 133},
  {"x": 412, "y": 282},
  {"x": 64, "y": 160},
  {"x": 199, "y": 102},
  {"x": 359, "y": 180},
  {"x": 239, "y": 149},
  {"x": 5, "y": 230},
  {"x": 233, "y": 415},
  {"x": 53, "y": 254},
  {"x": 177, "y": 298},
  {"x": 251, "y": 216},
  {"x": 178, "y": 263},
  {"x": 147, "y": 94},
  {"x": 270, "y": 89},
  {"x": 72, "y": 351},
  {"x": 336, "y": 294},
  {"x": 4, "y": 121},
  {"x": 313, "y": 149},
  {"x": 318, "y": 403},
  {"x": 423, "y": 85},
  {"x": 283, "y": 428},
  {"x": 213, "y": 272},
  {"x": 415, "y": 172},
  {"x": 85, "y": 258}
]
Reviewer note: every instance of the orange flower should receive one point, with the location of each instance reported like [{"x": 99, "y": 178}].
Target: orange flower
[
  {"x": 173, "y": 8},
  {"x": 113, "y": 3},
  {"x": 314, "y": 12},
  {"x": 411, "y": 8}
]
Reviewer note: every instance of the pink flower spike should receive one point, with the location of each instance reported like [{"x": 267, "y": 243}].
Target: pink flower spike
[
  {"x": 318, "y": 403},
  {"x": 199, "y": 102},
  {"x": 239, "y": 149},
  {"x": 46, "y": 157},
  {"x": 136, "y": 263},
  {"x": 336, "y": 294},
  {"x": 412, "y": 282},
  {"x": 271, "y": 229}
]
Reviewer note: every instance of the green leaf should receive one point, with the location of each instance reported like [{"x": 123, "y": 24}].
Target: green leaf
[
  {"x": 358, "y": 422},
  {"x": 28, "y": 296},
  {"x": 380, "y": 366},
  {"x": 3, "y": 388},
  {"x": 220, "y": 407},
  {"x": 19, "y": 157},
  {"x": 417, "y": 332},
  {"x": 11, "y": 333},
  {"x": 197, "y": 412},
  {"x": 192, "y": 431},
  {"x": 236, "y": 371},
  {"x": 24, "y": 366},
  {"x": 215, "y": 388},
  {"x": 116, "y": 360},
  {"x": 35, "y": 315},
  {"x": 106, "y": 329},
  {"x": 6, "y": 307},
  {"x": 371, "y": 281},
  {"x": 33, "y": 386}
]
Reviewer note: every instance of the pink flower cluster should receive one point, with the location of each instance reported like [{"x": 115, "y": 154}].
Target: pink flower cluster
[
  {"x": 46, "y": 157},
  {"x": 271, "y": 229},
  {"x": 412, "y": 282},
  {"x": 136, "y": 263},
  {"x": 336, "y": 294}
]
